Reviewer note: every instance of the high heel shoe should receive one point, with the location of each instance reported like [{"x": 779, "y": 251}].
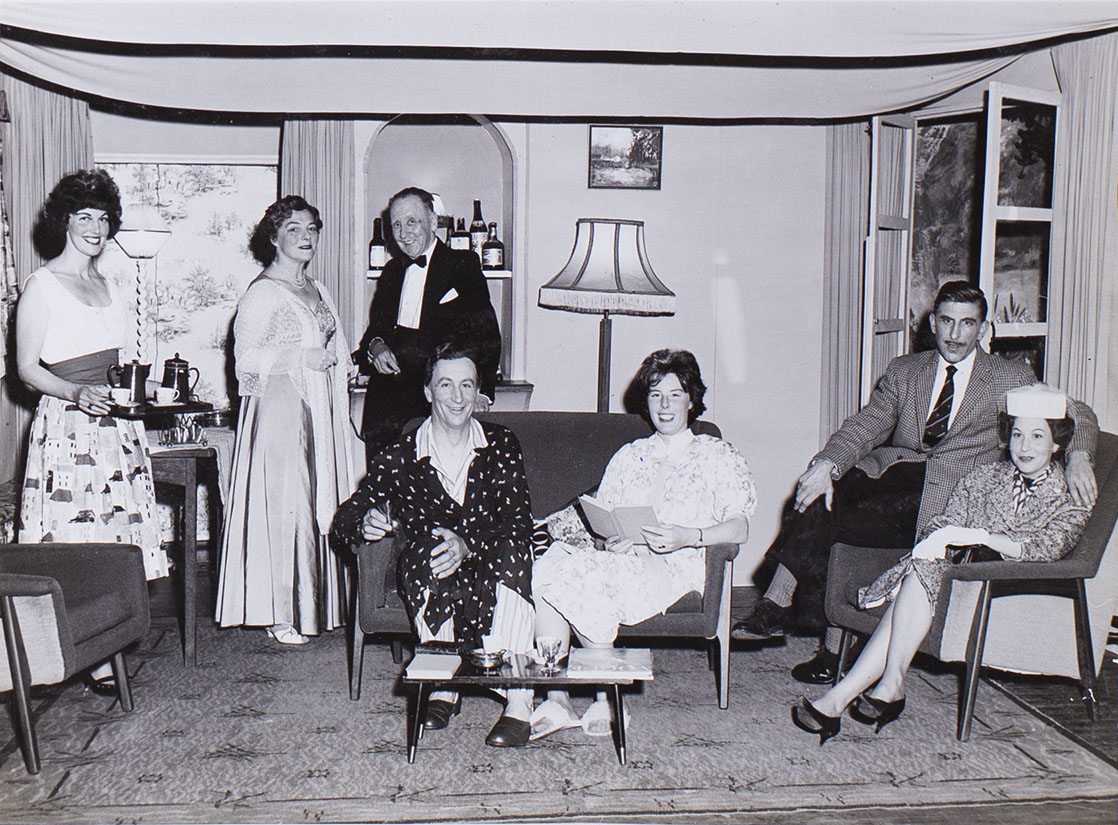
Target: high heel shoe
[
  {"x": 876, "y": 712},
  {"x": 826, "y": 726}
]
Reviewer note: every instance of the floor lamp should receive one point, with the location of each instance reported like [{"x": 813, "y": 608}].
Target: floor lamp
[
  {"x": 608, "y": 273},
  {"x": 141, "y": 235}
]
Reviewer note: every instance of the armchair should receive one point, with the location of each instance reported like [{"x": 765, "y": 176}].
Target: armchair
[
  {"x": 565, "y": 455},
  {"x": 65, "y": 608},
  {"x": 983, "y": 606}
]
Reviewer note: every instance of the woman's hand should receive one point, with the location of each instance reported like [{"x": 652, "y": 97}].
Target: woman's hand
[
  {"x": 931, "y": 548},
  {"x": 93, "y": 399},
  {"x": 616, "y": 544},
  {"x": 447, "y": 555},
  {"x": 667, "y": 538},
  {"x": 317, "y": 358}
]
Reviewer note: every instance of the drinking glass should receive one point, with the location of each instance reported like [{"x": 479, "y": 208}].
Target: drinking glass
[{"x": 548, "y": 648}]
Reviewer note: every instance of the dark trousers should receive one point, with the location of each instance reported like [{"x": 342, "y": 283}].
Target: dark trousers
[{"x": 871, "y": 512}]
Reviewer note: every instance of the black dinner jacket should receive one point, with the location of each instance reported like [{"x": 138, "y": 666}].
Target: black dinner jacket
[{"x": 455, "y": 305}]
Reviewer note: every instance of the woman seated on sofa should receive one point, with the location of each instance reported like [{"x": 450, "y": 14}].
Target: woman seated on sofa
[
  {"x": 454, "y": 494},
  {"x": 1018, "y": 510},
  {"x": 702, "y": 493}
]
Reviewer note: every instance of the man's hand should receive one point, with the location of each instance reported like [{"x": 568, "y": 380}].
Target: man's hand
[
  {"x": 815, "y": 482},
  {"x": 482, "y": 403},
  {"x": 384, "y": 361},
  {"x": 375, "y": 525},
  {"x": 1080, "y": 476},
  {"x": 447, "y": 555}
]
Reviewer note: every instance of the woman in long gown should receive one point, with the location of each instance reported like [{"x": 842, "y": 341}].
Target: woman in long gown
[
  {"x": 1018, "y": 510},
  {"x": 293, "y": 459},
  {"x": 702, "y": 493},
  {"x": 88, "y": 475}
]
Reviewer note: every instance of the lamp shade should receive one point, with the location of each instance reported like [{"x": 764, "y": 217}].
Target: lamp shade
[
  {"x": 142, "y": 231},
  {"x": 608, "y": 271}
]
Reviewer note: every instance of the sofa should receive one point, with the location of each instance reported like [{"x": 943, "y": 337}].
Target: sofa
[{"x": 565, "y": 454}]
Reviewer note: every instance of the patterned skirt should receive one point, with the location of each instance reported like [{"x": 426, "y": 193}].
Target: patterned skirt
[{"x": 88, "y": 479}]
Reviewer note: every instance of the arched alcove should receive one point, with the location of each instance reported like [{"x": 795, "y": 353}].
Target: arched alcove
[{"x": 463, "y": 158}]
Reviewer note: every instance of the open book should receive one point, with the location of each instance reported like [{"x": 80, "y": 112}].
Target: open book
[{"x": 624, "y": 521}]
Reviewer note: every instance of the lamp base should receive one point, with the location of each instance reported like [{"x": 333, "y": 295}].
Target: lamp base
[{"x": 605, "y": 333}]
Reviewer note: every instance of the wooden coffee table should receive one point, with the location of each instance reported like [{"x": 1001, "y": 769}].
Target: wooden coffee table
[{"x": 517, "y": 672}]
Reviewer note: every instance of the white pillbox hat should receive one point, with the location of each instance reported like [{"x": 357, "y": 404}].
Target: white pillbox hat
[{"x": 1036, "y": 401}]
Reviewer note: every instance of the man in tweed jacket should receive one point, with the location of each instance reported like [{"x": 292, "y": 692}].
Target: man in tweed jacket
[{"x": 877, "y": 480}]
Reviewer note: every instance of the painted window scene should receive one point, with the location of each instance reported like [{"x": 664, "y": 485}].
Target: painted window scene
[{"x": 185, "y": 296}]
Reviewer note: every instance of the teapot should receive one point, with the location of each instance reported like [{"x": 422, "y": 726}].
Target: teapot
[
  {"x": 176, "y": 373},
  {"x": 132, "y": 376}
]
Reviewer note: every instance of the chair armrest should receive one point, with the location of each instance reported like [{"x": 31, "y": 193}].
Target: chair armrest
[
  {"x": 716, "y": 557},
  {"x": 1017, "y": 570},
  {"x": 19, "y": 584},
  {"x": 374, "y": 561}
]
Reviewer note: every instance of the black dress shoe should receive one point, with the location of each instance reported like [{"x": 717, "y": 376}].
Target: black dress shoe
[
  {"x": 509, "y": 733},
  {"x": 102, "y": 687},
  {"x": 766, "y": 621},
  {"x": 819, "y": 670},
  {"x": 439, "y": 713}
]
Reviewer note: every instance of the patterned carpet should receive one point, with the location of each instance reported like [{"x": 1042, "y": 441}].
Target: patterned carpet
[{"x": 264, "y": 733}]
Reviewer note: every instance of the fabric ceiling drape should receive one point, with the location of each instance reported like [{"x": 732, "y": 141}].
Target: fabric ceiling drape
[
  {"x": 48, "y": 136},
  {"x": 316, "y": 161},
  {"x": 848, "y": 183},
  {"x": 1085, "y": 350}
]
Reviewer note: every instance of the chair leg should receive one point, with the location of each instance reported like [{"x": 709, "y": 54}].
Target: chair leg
[
  {"x": 1085, "y": 650},
  {"x": 357, "y": 646},
  {"x": 397, "y": 651},
  {"x": 723, "y": 636},
  {"x": 976, "y": 644},
  {"x": 843, "y": 652},
  {"x": 124, "y": 688},
  {"x": 21, "y": 686}
]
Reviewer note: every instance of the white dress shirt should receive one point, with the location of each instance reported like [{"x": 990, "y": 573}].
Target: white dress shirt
[
  {"x": 411, "y": 293},
  {"x": 963, "y": 370}
]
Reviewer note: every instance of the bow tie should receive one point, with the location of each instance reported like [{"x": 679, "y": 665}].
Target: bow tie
[{"x": 420, "y": 261}]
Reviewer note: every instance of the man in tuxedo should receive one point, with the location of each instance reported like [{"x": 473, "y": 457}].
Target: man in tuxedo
[
  {"x": 429, "y": 295},
  {"x": 891, "y": 466}
]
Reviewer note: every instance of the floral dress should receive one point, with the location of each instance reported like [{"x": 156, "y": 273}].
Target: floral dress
[
  {"x": 596, "y": 590},
  {"x": 1044, "y": 521}
]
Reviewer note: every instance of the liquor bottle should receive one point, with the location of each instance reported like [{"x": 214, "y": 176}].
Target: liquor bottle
[
  {"x": 460, "y": 238},
  {"x": 378, "y": 252},
  {"x": 492, "y": 251},
  {"x": 478, "y": 232}
]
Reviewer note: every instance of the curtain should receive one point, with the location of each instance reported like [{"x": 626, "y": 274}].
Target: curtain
[
  {"x": 48, "y": 137},
  {"x": 1085, "y": 347},
  {"x": 848, "y": 183},
  {"x": 9, "y": 278},
  {"x": 316, "y": 161}
]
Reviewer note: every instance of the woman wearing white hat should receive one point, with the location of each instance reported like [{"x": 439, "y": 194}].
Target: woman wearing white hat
[{"x": 1020, "y": 509}]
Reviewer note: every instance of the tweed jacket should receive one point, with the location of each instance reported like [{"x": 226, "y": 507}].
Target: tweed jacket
[{"x": 890, "y": 428}]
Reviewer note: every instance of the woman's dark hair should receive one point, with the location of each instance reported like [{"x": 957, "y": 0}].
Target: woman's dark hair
[
  {"x": 449, "y": 351},
  {"x": 1062, "y": 430},
  {"x": 681, "y": 364},
  {"x": 84, "y": 189},
  {"x": 262, "y": 242}
]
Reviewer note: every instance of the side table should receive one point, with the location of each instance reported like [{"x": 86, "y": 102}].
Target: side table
[{"x": 178, "y": 466}]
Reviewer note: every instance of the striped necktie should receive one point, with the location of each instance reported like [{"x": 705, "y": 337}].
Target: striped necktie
[{"x": 936, "y": 428}]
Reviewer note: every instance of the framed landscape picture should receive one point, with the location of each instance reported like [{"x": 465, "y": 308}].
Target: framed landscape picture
[{"x": 625, "y": 157}]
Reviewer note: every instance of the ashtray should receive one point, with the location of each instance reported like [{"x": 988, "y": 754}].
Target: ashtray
[{"x": 480, "y": 658}]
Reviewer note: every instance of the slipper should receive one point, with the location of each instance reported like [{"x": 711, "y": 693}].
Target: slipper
[
  {"x": 549, "y": 717},
  {"x": 285, "y": 634},
  {"x": 598, "y": 718}
]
